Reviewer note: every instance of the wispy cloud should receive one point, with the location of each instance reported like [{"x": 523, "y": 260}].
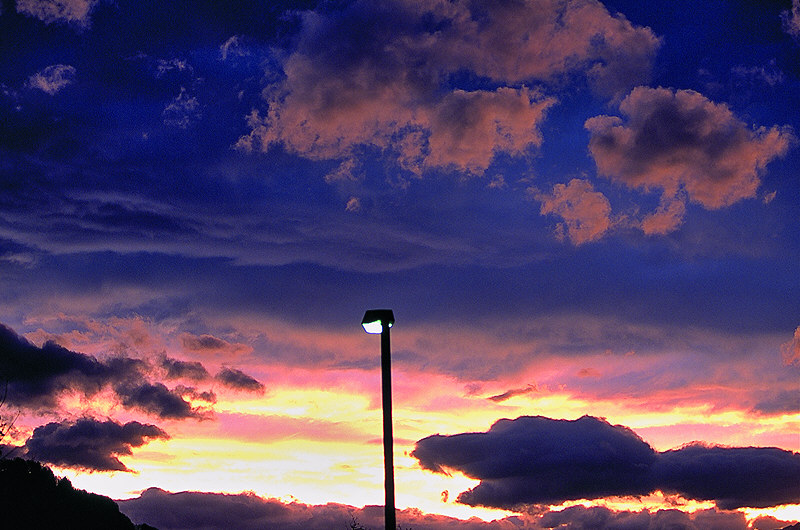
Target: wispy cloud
[{"x": 53, "y": 78}]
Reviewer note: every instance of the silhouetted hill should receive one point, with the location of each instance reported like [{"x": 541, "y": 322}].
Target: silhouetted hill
[{"x": 31, "y": 496}]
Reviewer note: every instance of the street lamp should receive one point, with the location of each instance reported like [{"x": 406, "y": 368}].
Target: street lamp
[{"x": 379, "y": 321}]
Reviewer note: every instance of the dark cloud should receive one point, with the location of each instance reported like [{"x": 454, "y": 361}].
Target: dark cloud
[
  {"x": 508, "y": 394},
  {"x": 177, "y": 369},
  {"x": 239, "y": 380},
  {"x": 733, "y": 477},
  {"x": 210, "y": 344},
  {"x": 601, "y": 518},
  {"x": 89, "y": 444},
  {"x": 537, "y": 460},
  {"x": 194, "y": 511},
  {"x": 782, "y": 402},
  {"x": 157, "y": 399},
  {"x": 38, "y": 376}
]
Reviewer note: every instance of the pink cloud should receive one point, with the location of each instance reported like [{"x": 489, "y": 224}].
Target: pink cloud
[
  {"x": 586, "y": 213},
  {"x": 467, "y": 128},
  {"x": 791, "y": 349},
  {"x": 359, "y": 78},
  {"x": 667, "y": 217},
  {"x": 676, "y": 140},
  {"x": 791, "y": 20},
  {"x": 49, "y": 11},
  {"x": 211, "y": 345},
  {"x": 53, "y": 78}
]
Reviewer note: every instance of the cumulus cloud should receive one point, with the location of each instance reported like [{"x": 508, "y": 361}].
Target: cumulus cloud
[
  {"x": 382, "y": 75},
  {"x": 537, "y": 460},
  {"x": 678, "y": 140},
  {"x": 89, "y": 444},
  {"x": 239, "y": 380},
  {"x": 586, "y": 213},
  {"x": 61, "y": 11},
  {"x": 53, "y": 78}
]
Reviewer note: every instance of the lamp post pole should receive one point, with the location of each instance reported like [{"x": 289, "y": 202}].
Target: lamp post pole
[
  {"x": 388, "y": 456},
  {"x": 380, "y": 321}
]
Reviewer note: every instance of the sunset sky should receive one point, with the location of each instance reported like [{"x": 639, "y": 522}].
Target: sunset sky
[{"x": 585, "y": 216}]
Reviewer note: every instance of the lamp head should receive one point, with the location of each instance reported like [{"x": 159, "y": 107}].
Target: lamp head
[{"x": 375, "y": 319}]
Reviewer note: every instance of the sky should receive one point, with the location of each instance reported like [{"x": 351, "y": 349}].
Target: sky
[{"x": 585, "y": 216}]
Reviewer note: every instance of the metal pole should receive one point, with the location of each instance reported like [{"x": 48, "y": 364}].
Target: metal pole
[{"x": 388, "y": 456}]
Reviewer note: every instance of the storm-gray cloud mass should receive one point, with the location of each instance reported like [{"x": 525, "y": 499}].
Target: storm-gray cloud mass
[{"x": 538, "y": 460}]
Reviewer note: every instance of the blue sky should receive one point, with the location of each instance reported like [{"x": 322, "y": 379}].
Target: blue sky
[{"x": 591, "y": 205}]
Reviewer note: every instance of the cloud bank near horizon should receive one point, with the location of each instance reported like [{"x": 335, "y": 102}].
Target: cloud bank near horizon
[
  {"x": 190, "y": 510},
  {"x": 538, "y": 460}
]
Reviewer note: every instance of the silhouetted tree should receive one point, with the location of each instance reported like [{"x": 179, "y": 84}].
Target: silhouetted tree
[
  {"x": 31, "y": 496},
  {"x": 6, "y": 423}
]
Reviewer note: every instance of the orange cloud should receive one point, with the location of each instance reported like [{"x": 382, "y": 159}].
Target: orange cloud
[
  {"x": 678, "y": 139},
  {"x": 586, "y": 213},
  {"x": 791, "y": 349},
  {"x": 358, "y": 78}
]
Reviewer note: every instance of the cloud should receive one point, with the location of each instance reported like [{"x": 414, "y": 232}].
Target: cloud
[
  {"x": 674, "y": 140},
  {"x": 184, "y": 369},
  {"x": 384, "y": 75},
  {"x": 791, "y": 20},
  {"x": 157, "y": 399},
  {"x": 537, "y": 460},
  {"x": 667, "y": 217},
  {"x": 246, "y": 511},
  {"x": 89, "y": 444},
  {"x": 499, "y": 398},
  {"x": 182, "y": 111},
  {"x": 586, "y": 213},
  {"x": 791, "y": 350},
  {"x": 780, "y": 402},
  {"x": 62, "y": 11},
  {"x": 239, "y": 380},
  {"x": 53, "y": 78},
  {"x": 37, "y": 377},
  {"x": 601, "y": 518},
  {"x": 733, "y": 477},
  {"x": 212, "y": 345}
]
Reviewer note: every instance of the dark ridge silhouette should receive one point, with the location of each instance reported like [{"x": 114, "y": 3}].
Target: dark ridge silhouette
[{"x": 31, "y": 496}]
